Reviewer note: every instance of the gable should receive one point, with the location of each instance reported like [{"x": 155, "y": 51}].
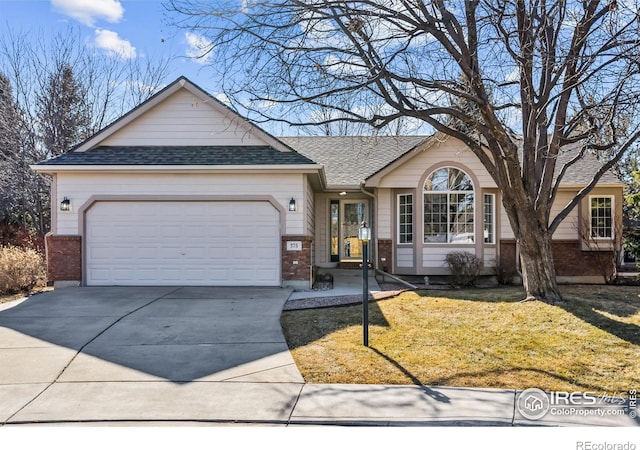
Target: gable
[
  {"x": 409, "y": 170},
  {"x": 185, "y": 119},
  {"x": 441, "y": 150}
]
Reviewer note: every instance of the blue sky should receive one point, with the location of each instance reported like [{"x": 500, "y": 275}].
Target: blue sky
[{"x": 132, "y": 28}]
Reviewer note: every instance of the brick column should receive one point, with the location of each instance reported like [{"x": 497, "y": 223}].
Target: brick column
[
  {"x": 64, "y": 259},
  {"x": 296, "y": 261},
  {"x": 385, "y": 255}
]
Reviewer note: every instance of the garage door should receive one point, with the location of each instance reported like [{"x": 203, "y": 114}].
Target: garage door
[{"x": 182, "y": 243}]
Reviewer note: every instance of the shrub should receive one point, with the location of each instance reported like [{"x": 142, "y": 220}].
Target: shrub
[
  {"x": 505, "y": 273},
  {"x": 21, "y": 269},
  {"x": 12, "y": 234},
  {"x": 464, "y": 267}
]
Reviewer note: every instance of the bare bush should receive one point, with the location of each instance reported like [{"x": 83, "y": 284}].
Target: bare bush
[
  {"x": 464, "y": 267},
  {"x": 21, "y": 269},
  {"x": 504, "y": 272}
]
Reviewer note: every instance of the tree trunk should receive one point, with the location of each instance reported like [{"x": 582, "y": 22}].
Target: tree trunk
[{"x": 536, "y": 260}]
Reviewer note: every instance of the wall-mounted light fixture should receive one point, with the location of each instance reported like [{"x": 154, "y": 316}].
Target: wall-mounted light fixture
[
  {"x": 65, "y": 205},
  {"x": 292, "y": 204}
]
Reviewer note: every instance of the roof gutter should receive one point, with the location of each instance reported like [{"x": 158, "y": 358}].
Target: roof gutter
[{"x": 54, "y": 168}]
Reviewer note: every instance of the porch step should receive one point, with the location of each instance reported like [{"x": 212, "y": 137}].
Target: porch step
[{"x": 356, "y": 265}]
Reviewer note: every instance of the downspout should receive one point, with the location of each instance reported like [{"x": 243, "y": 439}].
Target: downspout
[{"x": 374, "y": 250}]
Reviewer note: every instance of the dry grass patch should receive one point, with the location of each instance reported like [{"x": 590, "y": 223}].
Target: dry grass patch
[{"x": 477, "y": 338}]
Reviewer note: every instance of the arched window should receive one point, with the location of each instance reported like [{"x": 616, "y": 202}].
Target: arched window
[{"x": 448, "y": 207}]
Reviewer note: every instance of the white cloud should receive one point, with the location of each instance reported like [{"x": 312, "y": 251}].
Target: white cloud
[
  {"x": 88, "y": 11},
  {"x": 221, "y": 96},
  {"x": 114, "y": 45},
  {"x": 199, "y": 47}
]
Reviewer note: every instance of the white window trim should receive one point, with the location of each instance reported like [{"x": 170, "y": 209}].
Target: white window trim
[
  {"x": 413, "y": 230},
  {"x": 448, "y": 194},
  {"x": 613, "y": 218},
  {"x": 493, "y": 216}
]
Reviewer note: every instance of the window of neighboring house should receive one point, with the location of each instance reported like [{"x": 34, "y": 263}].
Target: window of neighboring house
[
  {"x": 405, "y": 218},
  {"x": 601, "y": 209},
  {"x": 489, "y": 227},
  {"x": 448, "y": 207}
]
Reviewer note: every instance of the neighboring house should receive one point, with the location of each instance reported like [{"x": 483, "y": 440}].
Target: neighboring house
[{"x": 183, "y": 191}]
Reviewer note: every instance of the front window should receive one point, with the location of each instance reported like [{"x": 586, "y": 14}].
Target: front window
[
  {"x": 405, "y": 218},
  {"x": 448, "y": 207},
  {"x": 601, "y": 217}
]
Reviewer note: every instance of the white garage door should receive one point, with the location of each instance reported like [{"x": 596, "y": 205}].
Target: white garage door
[{"x": 149, "y": 243}]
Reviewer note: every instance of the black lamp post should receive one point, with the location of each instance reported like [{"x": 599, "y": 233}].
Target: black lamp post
[{"x": 364, "y": 233}]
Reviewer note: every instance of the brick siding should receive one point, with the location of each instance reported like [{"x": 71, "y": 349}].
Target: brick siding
[
  {"x": 64, "y": 258},
  {"x": 569, "y": 259},
  {"x": 296, "y": 264},
  {"x": 385, "y": 251}
]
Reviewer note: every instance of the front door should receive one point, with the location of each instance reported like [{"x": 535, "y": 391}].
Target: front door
[{"x": 352, "y": 214}]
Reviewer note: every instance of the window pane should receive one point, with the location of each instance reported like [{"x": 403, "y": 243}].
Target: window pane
[
  {"x": 601, "y": 217},
  {"x": 459, "y": 181},
  {"x": 461, "y": 218},
  {"x": 405, "y": 219},
  {"x": 437, "y": 181},
  {"x": 488, "y": 228},
  {"x": 435, "y": 218}
]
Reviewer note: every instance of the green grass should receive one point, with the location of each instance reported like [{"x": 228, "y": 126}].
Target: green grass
[{"x": 477, "y": 338}]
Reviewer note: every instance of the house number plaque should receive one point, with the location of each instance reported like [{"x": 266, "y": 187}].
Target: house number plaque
[{"x": 294, "y": 246}]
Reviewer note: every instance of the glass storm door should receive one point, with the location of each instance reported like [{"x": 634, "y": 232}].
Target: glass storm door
[{"x": 352, "y": 214}]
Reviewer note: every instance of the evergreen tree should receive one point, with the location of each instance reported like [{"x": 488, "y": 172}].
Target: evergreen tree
[{"x": 64, "y": 112}]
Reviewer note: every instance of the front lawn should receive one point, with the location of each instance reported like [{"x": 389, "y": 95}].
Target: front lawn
[{"x": 477, "y": 338}]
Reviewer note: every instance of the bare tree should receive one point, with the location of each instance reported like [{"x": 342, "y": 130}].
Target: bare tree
[
  {"x": 64, "y": 91},
  {"x": 539, "y": 75}
]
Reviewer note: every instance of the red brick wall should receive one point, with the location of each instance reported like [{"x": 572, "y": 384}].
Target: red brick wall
[
  {"x": 385, "y": 251},
  {"x": 569, "y": 259},
  {"x": 296, "y": 264},
  {"x": 64, "y": 258}
]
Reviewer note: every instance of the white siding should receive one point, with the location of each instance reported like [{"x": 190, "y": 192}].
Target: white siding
[
  {"x": 489, "y": 256},
  {"x": 568, "y": 228},
  {"x": 184, "y": 119},
  {"x": 309, "y": 208},
  {"x": 79, "y": 187},
  {"x": 409, "y": 174},
  {"x": 322, "y": 229},
  {"x": 384, "y": 218},
  {"x": 404, "y": 257},
  {"x": 505, "y": 231},
  {"x": 435, "y": 256}
]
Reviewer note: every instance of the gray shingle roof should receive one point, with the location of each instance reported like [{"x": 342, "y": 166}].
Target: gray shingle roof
[
  {"x": 349, "y": 160},
  {"x": 584, "y": 169},
  {"x": 194, "y": 155}
]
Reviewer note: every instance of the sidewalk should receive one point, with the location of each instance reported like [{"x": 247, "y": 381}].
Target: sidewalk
[{"x": 281, "y": 404}]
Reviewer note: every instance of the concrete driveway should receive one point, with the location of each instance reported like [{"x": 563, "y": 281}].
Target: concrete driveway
[{"x": 147, "y": 353}]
